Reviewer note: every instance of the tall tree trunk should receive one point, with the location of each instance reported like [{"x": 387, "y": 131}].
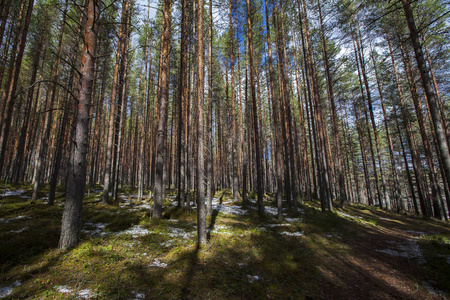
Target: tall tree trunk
[
  {"x": 209, "y": 166},
  {"x": 163, "y": 98},
  {"x": 71, "y": 220},
  {"x": 234, "y": 134},
  {"x": 426, "y": 82},
  {"x": 201, "y": 213},
  {"x": 181, "y": 103},
  {"x": 108, "y": 178},
  {"x": 336, "y": 132},
  {"x": 275, "y": 117},
  {"x": 259, "y": 175}
]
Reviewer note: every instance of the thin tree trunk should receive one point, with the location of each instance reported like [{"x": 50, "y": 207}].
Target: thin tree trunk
[
  {"x": 209, "y": 167},
  {"x": 259, "y": 175},
  {"x": 163, "y": 98},
  {"x": 108, "y": 178},
  {"x": 201, "y": 213}
]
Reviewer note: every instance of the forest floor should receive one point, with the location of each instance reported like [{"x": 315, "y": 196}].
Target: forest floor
[{"x": 354, "y": 253}]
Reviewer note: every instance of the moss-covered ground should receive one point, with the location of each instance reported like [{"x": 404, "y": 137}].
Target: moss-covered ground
[{"x": 354, "y": 253}]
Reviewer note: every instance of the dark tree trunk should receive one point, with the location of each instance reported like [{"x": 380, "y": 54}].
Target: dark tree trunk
[{"x": 71, "y": 220}]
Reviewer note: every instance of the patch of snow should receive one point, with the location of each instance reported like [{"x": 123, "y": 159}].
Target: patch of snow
[
  {"x": 135, "y": 231},
  {"x": 14, "y": 219},
  {"x": 7, "y": 290},
  {"x": 294, "y": 220},
  {"x": 347, "y": 215},
  {"x": 230, "y": 210},
  {"x": 157, "y": 263},
  {"x": 8, "y": 193},
  {"x": 271, "y": 210},
  {"x": 222, "y": 229},
  {"x": 98, "y": 228},
  {"x": 298, "y": 233},
  {"x": 393, "y": 253},
  {"x": 177, "y": 232},
  {"x": 241, "y": 265},
  {"x": 138, "y": 295},
  {"x": 409, "y": 249},
  {"x": 20, "y": 230},
  {"x": 86, "y": 294},
  {"x": 63, "y": 289},
  {"x": 252, "y": 279},
  {"x": 167, "y": 243},
  {"x": 329, "y": 235},
  {"x": 145, "y": 206},
  {"x": 277, "y": 225},
  {"x": 413, "y": 232}
]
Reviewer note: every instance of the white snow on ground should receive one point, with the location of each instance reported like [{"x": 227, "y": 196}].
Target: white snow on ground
[
  {"x": 167, "y": 243},
  {"x": 408, "y": 249},
  {"x": 86, "y": 294},
  {"x": 347, "y": 215},
  {"x": 278, "y": 225},
  {"x": 14, "y": 219},
  {"x": 220, "y": 229},
  {"x": 393, "y": 252},
  {"x": 298, "y": 233},
  {"x": 294, "y": 220},
  {"x": 413, "y": 232},
  {"x": 272, "y": 210},
  {"x": 158, "y": 264},
  {"x": 8, "y": 193},
  {"x": 252, "y": 279},
  {"x": 63, "y": 289},
  {"x": 135, "y": 231},
  {"x": 230, "y": 210},
  {"x": 7, "y": 290},
  {"x": 179, "y": 233},
  {"x": 98, "y": 228},
  {"x": 19, "y": 230},
  {"x": 139, "y": 295}
]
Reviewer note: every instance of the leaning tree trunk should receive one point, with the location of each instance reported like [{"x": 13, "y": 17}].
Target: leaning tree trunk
[
  {"x": 426, "y": 82},
  {"x": 71, "y": 220}
]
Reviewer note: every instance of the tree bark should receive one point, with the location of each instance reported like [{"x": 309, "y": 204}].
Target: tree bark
[
  {"x": 426, "y": 82},
  {"x": 163, "y": 98},
  {"x": 71, "y": 220}
]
